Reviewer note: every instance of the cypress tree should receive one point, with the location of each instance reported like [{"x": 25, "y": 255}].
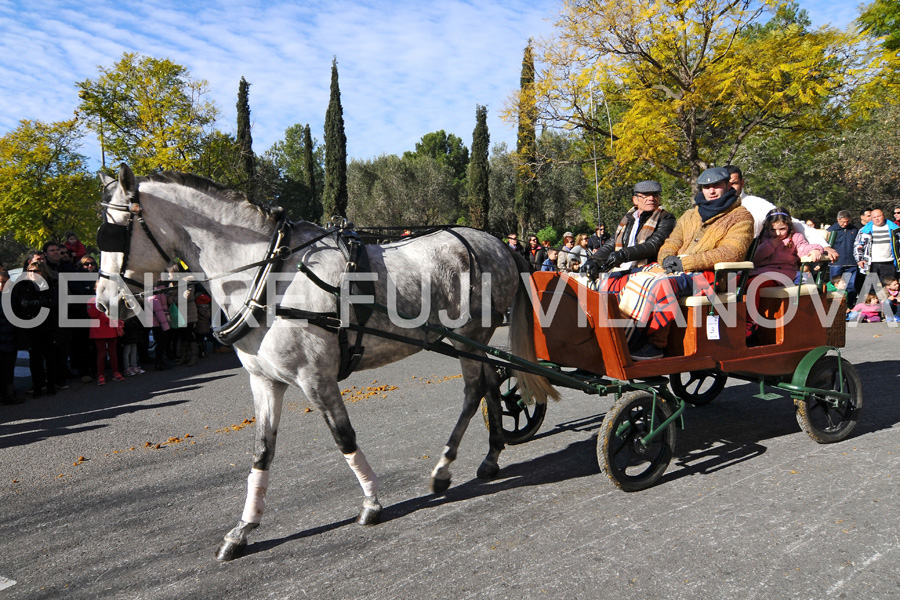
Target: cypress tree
[
  {"x": 314, "y": 206},
  {"x": 335, "y": 193},
  {"x": 245, "y": 139},
  {"x": 479, "y": 199},
  {"x": 526, "y": 145}
]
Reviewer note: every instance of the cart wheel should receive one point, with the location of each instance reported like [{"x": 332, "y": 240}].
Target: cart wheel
[
  {"x": 631, "y": 465},
  {"x": 824, "y": 418},
  {"x": 698, "y": 387},
  {"x": 520, "y": 420}
]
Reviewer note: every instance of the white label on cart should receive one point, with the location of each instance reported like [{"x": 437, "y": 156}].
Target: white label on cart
[{"x": 712, "y": 327}]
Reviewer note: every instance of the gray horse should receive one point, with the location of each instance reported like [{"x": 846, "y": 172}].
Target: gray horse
[{"x": 462, "y": 277}]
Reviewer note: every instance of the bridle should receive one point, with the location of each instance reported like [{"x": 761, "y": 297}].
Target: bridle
[{"x": 113, "y": 237}]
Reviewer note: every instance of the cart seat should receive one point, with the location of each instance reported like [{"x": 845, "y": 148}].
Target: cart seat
[
  {"x": 794, "y": 291},
  {"x": 722, "y": 270},
  {"x": 705, "y": 301}
]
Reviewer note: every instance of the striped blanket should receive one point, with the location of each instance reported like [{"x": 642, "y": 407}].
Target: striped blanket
[{"x": 650, "y": 295}]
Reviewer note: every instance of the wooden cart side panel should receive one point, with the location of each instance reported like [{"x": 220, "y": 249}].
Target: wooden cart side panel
[
  {"x": 612, "y": 339},
  {"x": 565, "y": 332}
]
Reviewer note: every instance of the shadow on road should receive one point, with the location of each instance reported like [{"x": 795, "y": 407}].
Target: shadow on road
[{"x": 88, "y": 407}]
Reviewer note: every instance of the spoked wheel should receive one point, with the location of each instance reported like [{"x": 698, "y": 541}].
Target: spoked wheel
[
  {"x": 520, "y": 419},
  {"x": 621, "y": 453},
  {"x": 698, "y": 387},
  {"x": 825, "y": 418}
]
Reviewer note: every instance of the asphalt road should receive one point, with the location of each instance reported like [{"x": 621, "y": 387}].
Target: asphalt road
[{"x": 125, "y": 491}]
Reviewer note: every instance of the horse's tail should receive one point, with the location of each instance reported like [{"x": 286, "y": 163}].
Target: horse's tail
[{"x": 521, "y": 340}]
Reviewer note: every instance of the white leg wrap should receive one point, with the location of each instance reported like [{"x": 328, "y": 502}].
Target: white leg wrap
[
  {"x": 257, "y": 484},
  {"x": 367, "y": 477},
  {"x": 442, "y": 468}
]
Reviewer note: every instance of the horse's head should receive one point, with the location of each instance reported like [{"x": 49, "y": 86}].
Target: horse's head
[{"x": 127, "y": 253}]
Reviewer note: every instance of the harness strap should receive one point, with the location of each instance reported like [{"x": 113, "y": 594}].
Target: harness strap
[
  {"x": 331, "y": 322},
  {"x": 238, "y": 326},
  {"x": 140, "y": 218},
  {"x": 354, "y": 251}
]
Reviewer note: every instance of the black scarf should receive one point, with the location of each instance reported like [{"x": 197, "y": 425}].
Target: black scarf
[{"x": 711, "y": 208}]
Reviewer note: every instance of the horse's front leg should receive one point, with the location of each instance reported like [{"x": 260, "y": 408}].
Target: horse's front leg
[
  {"x": 326, "y": 396},
  {"x": 481, "y": 381},
  {"x": 267, "y": 400}
]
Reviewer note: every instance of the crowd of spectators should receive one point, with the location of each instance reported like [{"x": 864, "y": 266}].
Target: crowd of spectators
[{"x": 86, "y": 345}]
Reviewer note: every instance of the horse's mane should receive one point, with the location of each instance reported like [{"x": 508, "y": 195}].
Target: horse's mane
[{"x": 208, "y": 186}]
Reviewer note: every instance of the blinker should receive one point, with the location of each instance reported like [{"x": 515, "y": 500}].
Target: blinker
[{"x": 112, "y": 237}]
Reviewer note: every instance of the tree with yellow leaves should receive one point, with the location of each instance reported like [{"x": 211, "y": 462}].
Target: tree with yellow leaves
[
  {"x": 687, "y": 81},
  {"x": 148, "y": 112},
  {"x": 45, "y": 187}
]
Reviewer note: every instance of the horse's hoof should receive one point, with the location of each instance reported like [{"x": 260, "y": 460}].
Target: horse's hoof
[
  {"x": 230, "y": 550},
  {"x": 369, "y": 516},
  {"x": 487, "y": 471},
  {"x": 439, "y": 487}
]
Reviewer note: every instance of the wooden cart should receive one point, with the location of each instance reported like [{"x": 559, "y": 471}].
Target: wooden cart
[{"x": 580, "y": 340}]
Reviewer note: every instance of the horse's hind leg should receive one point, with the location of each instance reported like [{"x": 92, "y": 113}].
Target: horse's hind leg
[
  {"x": 267, "y": 400},
  {"x": 481, "y": 381},
  {"x": 326, "y": 396}
]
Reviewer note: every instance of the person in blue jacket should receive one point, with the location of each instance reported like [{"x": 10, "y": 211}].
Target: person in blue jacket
[{"x": 842, "y": 237}]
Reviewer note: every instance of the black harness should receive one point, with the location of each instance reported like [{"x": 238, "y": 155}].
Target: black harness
[{"x": 115, "y": 237}]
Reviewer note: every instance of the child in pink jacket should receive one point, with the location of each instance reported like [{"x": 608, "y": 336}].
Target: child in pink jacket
[
  {"x": 781, "y": 247},
  {"x": 158, "y": 306},
  {"x": 105, "y": 334},
  {"x": 779, "y": 251},
  {"x": 867, "y": 312}
]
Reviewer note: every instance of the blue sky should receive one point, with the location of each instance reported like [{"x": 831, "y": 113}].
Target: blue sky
[{"x": 406, "y": 67}]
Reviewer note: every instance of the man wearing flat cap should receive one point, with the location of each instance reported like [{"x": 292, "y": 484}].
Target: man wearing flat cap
[
  {"x": 640, "y": 233},
  {"x": 716, "y": 229}
]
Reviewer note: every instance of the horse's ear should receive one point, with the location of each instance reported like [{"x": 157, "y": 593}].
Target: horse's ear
[
  {"x": 126, "y": 178},
  {"x": 104, "y": 178}
]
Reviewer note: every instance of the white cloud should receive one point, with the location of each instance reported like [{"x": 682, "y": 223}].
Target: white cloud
[{"x": 406, "y": 68}]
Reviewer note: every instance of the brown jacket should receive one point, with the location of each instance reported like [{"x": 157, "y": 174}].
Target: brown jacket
[{"x": 724, "y": 238}]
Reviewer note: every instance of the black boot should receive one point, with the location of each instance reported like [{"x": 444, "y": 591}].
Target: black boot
[{"x": 9, "y": 395}]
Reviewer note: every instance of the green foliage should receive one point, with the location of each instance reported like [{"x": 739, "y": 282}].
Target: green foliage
[
  {"x": 393, "y": 191},
  {"x": 245, "y": 139},
  {"x": 560, "y": 185},
  {"x": 291, "y": 173},
  {"x": 865, "y": 161},
  {"x": 882, "y": 18},
  {"x": 148, "y": 113},
  {"x": 479, "y": 196},
  {"x": 548, "y": 234},
  {"x": 448, "y": 150},
  {"x": 502, "y": 185},
  {"x": 526, "y": 145},
  {"x": 334, "y": 198},
  {"x": 220, "y": 160},
  {"x": 45, "y": 188},
  {"x": 311, "y": 169}
]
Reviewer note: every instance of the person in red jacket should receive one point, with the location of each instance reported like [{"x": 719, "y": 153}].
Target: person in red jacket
[
  {"x": 105, "y": 334},
  {"x": 75, "y": 247}
]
